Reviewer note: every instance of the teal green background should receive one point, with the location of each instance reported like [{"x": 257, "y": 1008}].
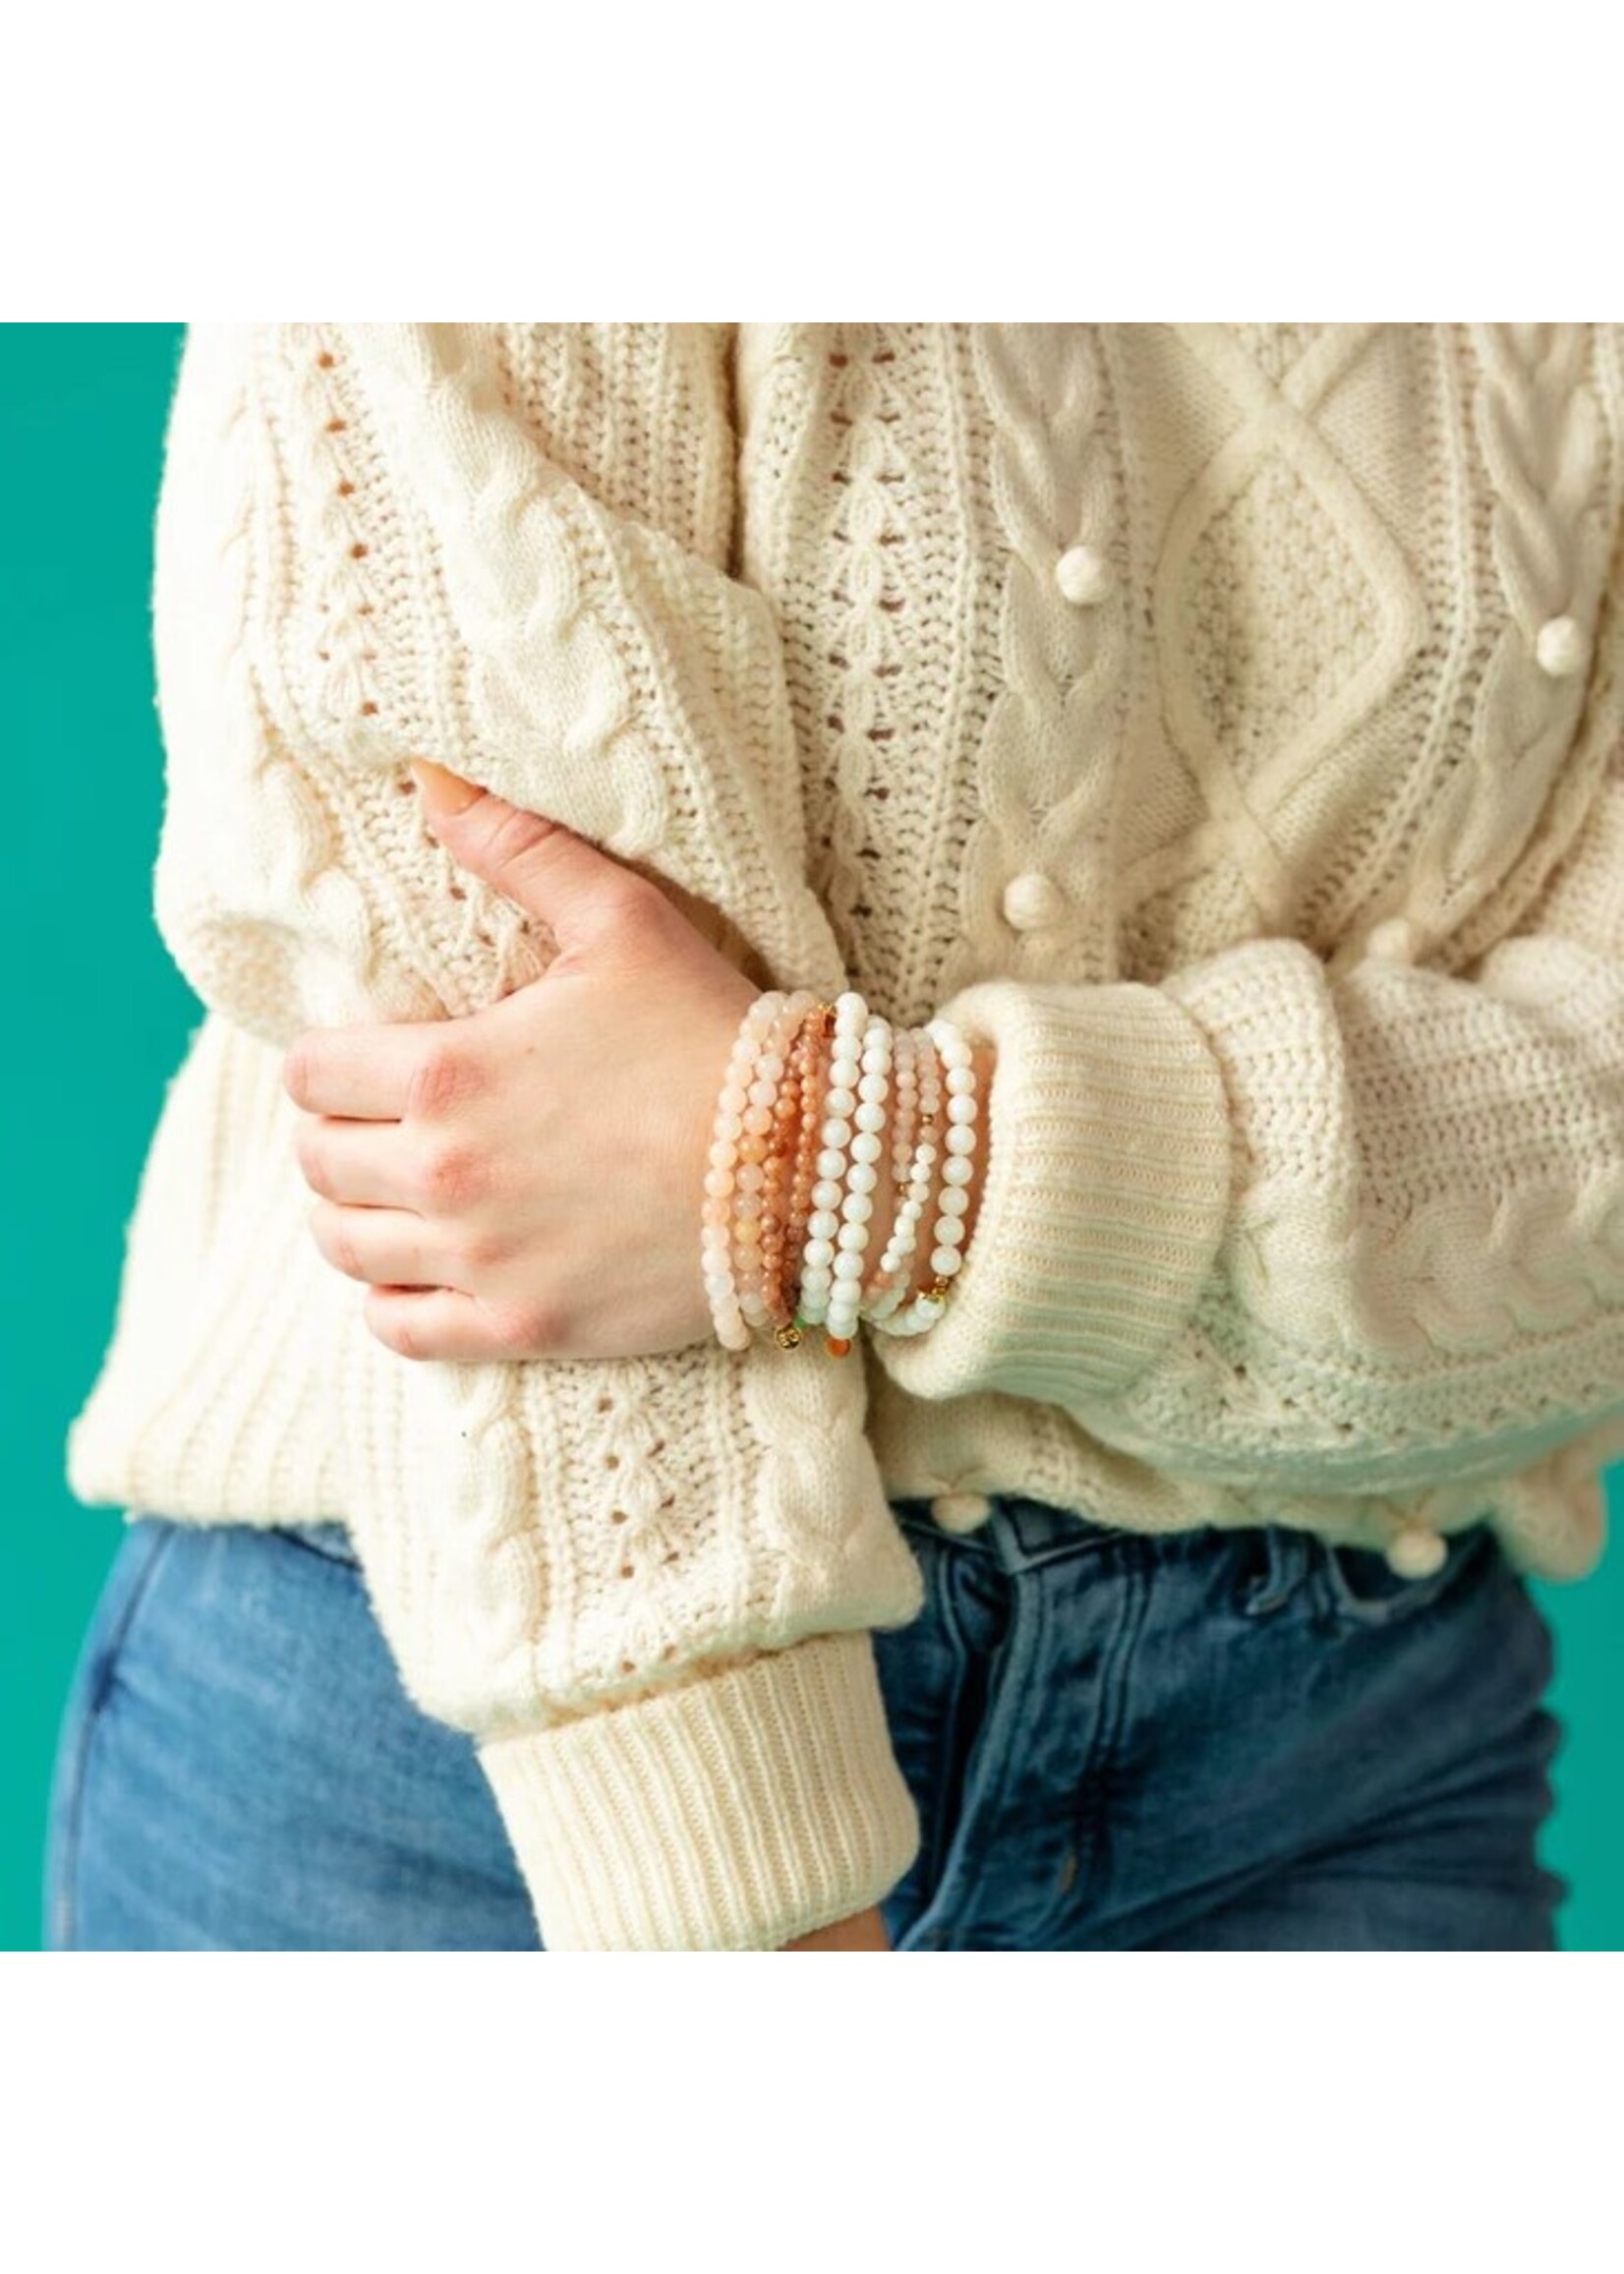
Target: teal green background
[{"x": 100, "y": 1020}]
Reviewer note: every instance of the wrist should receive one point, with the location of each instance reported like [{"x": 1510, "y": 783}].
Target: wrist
[{"x": 867, "y": 1931}]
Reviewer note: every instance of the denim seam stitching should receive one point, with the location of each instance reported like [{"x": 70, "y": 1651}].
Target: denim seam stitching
[
  {"x": 1094, "y": 1784},
  {"x": 963, "y": 1875},
  {"x": 950, "y": 1789}
]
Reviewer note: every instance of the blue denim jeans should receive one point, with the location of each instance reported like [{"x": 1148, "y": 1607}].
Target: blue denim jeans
[{"x": 1204, "y": 1740}]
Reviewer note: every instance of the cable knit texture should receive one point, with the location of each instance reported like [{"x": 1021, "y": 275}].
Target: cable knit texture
[{"x": 1224, "y": 722}]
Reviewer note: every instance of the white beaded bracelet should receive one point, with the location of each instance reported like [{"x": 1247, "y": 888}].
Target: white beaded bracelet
[
  {"x": 818, "y": 1272},
  {"x": 868, "y": 1121},
  {"x": 880, "y": 1292}
]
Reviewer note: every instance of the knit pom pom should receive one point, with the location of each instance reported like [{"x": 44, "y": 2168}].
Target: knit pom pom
[
  {"x": 1082, "y": 575},
  {"x": 1415, "y": 1554},
  {"x": 1560, "y": 648},
  {"x": 1393, "y": 942},
  {"x": 961, "y": 1512}
]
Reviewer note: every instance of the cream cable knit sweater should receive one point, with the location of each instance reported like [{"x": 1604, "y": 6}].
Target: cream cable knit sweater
[{"x": 1226, "y": 721}]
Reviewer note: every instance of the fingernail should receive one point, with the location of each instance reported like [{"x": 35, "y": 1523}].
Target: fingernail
[{"x": 442, "y": 791}]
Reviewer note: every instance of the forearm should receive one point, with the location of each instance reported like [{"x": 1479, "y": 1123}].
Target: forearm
[
  {"x": 1299, "y": 1231},
  {"x": 642, "y": 1587}
]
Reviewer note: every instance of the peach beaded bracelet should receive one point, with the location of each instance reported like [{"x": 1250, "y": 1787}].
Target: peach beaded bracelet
[
  {"x": 721, "y": 1178},
  {"x": 779, "y": 1194},
  {"x": 757, "y": 1230},
  {"x": 805, "y": 1073},
  {"x": 913, "y": 1159},
  {"x": 774, "y": 1196}
]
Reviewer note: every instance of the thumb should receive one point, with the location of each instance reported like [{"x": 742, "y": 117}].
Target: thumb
[{"x": 544, "y": 867}]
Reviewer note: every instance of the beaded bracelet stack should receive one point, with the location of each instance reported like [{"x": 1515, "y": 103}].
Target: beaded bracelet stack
[{"x": 811, "y": 1093}]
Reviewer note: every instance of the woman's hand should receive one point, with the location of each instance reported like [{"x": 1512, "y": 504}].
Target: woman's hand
[
  {"x": 528, "y": 1181},
  {"x": 863, "y": 1931}
]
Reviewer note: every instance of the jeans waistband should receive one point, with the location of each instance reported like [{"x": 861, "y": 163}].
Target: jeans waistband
[
  {"x": 1018, "y": 1533},
  {"x": 1022, "y": 1533}
]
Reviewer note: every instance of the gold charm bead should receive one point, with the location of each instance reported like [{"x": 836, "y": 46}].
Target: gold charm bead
[{"x": 787, "y": 1337}]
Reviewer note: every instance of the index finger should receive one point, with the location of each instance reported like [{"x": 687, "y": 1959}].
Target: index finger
[{"x": 361, "y": 1072}]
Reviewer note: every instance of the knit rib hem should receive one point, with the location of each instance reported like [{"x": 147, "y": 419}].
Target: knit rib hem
[
  {"x": 1104, "y": 1197},
  {"x": 736, "y": 1813}
]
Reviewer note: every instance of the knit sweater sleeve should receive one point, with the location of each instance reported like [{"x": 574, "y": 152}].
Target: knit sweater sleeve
[
  {"x": 646, "y": 1588},
  {"x": 1300, "y": 1225}
]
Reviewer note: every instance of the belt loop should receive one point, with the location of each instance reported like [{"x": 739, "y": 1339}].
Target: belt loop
[
  {"x": 1288, "y": 1551},
  {"x": 1026, "y": 1532}
]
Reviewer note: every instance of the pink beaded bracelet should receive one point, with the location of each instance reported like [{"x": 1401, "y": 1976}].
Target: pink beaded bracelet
[
  {"x": 755, "y": 1192},
  {"x": 958, "y": 1133},
  {"x": 721, "y": 1181}
]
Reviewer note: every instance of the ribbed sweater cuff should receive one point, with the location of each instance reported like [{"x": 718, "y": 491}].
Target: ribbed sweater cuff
[
  {"x": 734, "y": 1813},
  {"x": 1104, "y": 1197}
]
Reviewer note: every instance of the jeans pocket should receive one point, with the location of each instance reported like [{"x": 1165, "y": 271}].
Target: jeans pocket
[
  {"x": 1357, "y": 1588},
  {"x": 322, "y": 1536},
  {"x": 129, "y": 1577}
]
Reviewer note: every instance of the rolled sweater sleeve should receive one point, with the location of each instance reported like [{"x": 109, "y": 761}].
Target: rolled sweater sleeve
[
  {"x": 646, "y": 1588},
  {"x": 1297, "y": 1224}
]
